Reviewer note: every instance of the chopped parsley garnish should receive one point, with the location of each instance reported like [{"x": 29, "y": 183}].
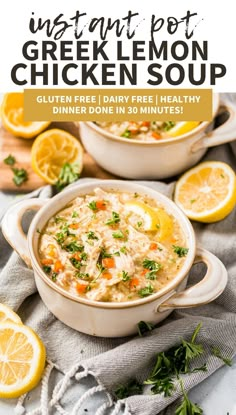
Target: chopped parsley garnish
[
  {"x": 168, "y": 125},
  {"x": 75, "y": 214},
  {"x": 54, "y": 276},
  {"x": 136, "y": 195},
  {"x": 123, "y": 249},
  {"x": 10, "y": 160},
  {"x": 119, "y": 234},
  {"x": 192, "y": 201},
  {"x": 73, "y": 247},
  {"x": 126, "y": 134},
  {"x": 47, "y": 269},
  {"x": 139, "y": 224},
  {"x": 69, "y": 174},
  {"x": 59, "y": 219},
  {"x": 153, "y": 268},
  {"x": 82, "y": 275},
  {"x": 216, "y": 352},
  {"x": 62, "y": 235},
  {"x": 125, "y": 276},
  {"x": 93, "y": 206},
  {"x": 20, "y": 176},
  {"x": 91, "y": 235},
  {"x": 180, "y": 251},
  {"x": 76, "y": 263},
  {"x": 105, "y": 254},
  {"x": 117, "y": 253},
  {"x": 84, "y": 256},
  {"x": 133, "y": 387},
  {"x": 115, "y": 219},
  {"x": 144, "y": 327},
  {"x": 144, "y": 292}
]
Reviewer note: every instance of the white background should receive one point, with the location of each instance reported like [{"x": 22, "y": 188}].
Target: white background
[{"x": 218, "y": 27}]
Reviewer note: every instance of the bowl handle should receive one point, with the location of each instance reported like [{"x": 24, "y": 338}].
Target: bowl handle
[
  {"x": 220, "y": 135},
  {"x": 12, "y": 226},
  {"x": 209, "y": 288}
]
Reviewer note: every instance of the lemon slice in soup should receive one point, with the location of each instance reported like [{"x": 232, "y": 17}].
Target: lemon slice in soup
[
  {"x": 153, "y": 219},
  {"x": 183, "y": 127}
]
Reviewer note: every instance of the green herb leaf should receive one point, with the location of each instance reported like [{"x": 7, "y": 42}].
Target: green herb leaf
[
  {"x": 151, "y": 265},
  {"x": 168, "y": 125},
  {"x": 119, "y": 234},
  {"x": 47, "y": 269},
  {"x": 125, "y": 276},
  {"x": 216, "y": 352},
  {"x": 144, "y": 292},
  {"x": 69, "y": 174},
  {"x": 54, "y": 276},
  {"x": 93, "y": 206},
  {"x": 180, "y": 251},
  {"x": 82, "y": 275},
  {"x": 187, "y": 407},
  {"x": 139, "y": 224},
  {"x": 126, "y": 134},
  {"x": 91, "y": 235},
  {"x": 75, "y": 214},
  {"x": 123, "y": 249},
  {"x": 104, "y": 254},
  {"x": 133, "y": 387},
  {"x": 20, "y": 176},
  {"x": 144, "y": 327},
  {"x": 114, "y": 220},
  {"x": 73, "y": 247},
  {"x": 59, "y": 219},
  {"x": 10, "y": 160}
]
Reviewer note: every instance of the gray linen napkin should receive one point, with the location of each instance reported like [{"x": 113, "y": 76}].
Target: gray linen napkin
[{"x": 114, "y": 361}]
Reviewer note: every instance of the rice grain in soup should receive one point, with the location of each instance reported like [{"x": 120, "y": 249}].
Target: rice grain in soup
[{"x": 112, "y": 246}]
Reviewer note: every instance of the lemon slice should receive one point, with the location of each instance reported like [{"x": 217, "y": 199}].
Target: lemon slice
[
  {"x": 153, "y": 219},
  {"x": 7, "y": 315},
  {"x": 207, "y": 193},
  {"x": 22, "y": 359},
  {"x": 183, "y": 127},
  {"x": 12, "y": 114},
  {"x": 51, "y": 150}
]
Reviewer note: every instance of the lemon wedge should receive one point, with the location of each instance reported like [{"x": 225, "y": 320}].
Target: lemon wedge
[
  {"x": 51, "y": 150},
  {"x": 183, "y": 127},
  {"x": 153, "y": 219},
  {"x": 7, "y": 315},
  {"x": 207, "y": 192},
  {"x": 22, "y": 359},
  {"x": 12, "y": 114}
]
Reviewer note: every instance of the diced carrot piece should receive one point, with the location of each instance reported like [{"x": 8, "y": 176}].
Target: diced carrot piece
[
  {"x": 58, "y": 266},
  {"x": 47, "y": 261},
  {"x": 144, "y": 271},
  {"x": 81, "y": 288},
  {"x": 101, "y": 205},
  {"x": 107, "y": 275},
  {"x": 76, "y": 256},
  {"x": 74, "y": 225},
  {"x": 134, "y": 282},
  {"x": 108, "y": 263},
  {"x": 153, "y": 246},
  {"x": 156, "y": 135},
  {"x": 145, "y": 124}
]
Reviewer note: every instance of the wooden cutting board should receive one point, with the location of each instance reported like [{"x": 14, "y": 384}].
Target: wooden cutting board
[{"x": 20, "y": 149}]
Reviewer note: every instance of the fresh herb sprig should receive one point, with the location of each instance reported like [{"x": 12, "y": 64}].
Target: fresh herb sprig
[
  {"x": 187, "y": 407},
  {"x": 153, "y": 268},
  {"x": 144, "y": 327},
  {"x": 114, "y": 220},
  {"x": 216, "y": 352},
  {"x": 10, "y": 160},
  {"x": 133, "y": 387},
  {"x": 20, "y": 176},
  {"x": 174, "y": 362},
  {"x": 69, "y": 174},
  {"x": 180, "y": 251}
]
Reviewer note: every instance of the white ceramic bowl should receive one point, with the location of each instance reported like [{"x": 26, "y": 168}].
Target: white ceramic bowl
[
  {"x": 103, "y": 318},
  {"x": 136, "y": 159}
]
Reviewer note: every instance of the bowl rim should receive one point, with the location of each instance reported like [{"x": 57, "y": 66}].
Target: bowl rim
[
  {"x": 167, "y": 141},
  {"x": 71, "y": 193}
]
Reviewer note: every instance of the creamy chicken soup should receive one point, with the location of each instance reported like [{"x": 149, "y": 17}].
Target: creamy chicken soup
[
  {"x": 148, "y": 130},
  {"x": 113, "y": 247}
]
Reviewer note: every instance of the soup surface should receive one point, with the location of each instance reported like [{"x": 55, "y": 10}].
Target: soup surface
[
  {"x": 111, "y": 246},
  {"x": 148, "y": 130}
]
